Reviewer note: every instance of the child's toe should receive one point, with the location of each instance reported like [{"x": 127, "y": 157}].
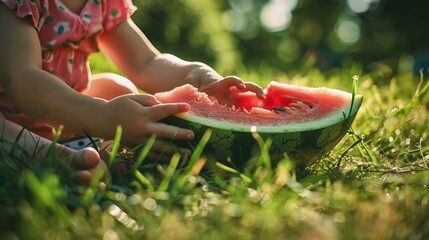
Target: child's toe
[{"x": 87, "y": 158}]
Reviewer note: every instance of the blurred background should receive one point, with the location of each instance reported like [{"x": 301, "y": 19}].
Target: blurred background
[{"x": 288, "y": 35}]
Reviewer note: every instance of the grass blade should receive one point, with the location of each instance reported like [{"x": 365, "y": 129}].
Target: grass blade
[
  {"x": 232, "y": 170},
  {"x": 144, "y": 152},
  {"x": 354, "y": 90},
  {"x": 115, "y": 147},
  {"x": 198, "y": 150},
  {"x": 143, "y": 180},
  {"x": 264, "y": 157},
  {"x": 163, "y": 186}
]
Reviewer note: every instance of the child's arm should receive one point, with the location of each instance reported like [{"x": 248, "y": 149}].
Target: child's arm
[
  {"x": 40, "y": 94},
  {"x": 36, "y": 92},
  {"x": 152, "y": 71}
]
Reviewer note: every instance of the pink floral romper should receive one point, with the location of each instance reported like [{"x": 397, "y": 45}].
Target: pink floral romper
[{"x": 66, "y": 40}]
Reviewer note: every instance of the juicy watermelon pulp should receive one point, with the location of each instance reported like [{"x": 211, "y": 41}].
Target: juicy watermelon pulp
[{"x": 303, "y": 122}]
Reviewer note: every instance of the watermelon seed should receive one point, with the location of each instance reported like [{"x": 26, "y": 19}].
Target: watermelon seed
[
  {"x": 246, "y": 111},
  {"x": 280, "y": 109},
  {"x": 233, "y": 107}
]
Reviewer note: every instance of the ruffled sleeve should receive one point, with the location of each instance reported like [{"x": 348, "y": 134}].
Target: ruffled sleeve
[
  {"x": 31, "y": 9},
  {"x": 117, "y": 12}
]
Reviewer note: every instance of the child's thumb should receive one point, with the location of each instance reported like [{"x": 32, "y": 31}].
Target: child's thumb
[{"x": 145, "y": 99}]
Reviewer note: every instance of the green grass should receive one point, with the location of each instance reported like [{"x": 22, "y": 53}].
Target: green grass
[{"x": 373, "y": 185}]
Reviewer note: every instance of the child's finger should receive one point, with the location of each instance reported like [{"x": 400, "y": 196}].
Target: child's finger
[
  {"x": 161, "y": 111},
  {"x": 234, "y": 81},
  {"x": 253, "y": 87},
  {"x": 145, "y": 99},
  {"x": 164, "y": 131},
  {"x": 246, "y": 86}
]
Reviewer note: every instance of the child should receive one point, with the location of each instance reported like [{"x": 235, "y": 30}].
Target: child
[{"x": 46, "y": 82}]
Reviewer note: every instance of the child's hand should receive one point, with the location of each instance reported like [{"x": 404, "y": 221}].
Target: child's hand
[
  {"x": 139, "y": 116},
  {"x": 225, "y": 90}
]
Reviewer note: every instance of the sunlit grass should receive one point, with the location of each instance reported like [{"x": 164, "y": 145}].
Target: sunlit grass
[{"x": 373, "y": 185}]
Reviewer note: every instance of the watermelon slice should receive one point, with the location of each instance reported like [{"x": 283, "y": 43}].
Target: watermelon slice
[{"x": 303, "y": 122}]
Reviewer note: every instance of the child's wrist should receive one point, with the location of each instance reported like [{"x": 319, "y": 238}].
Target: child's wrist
[
  {"x": 96, "y": 120},
  {"x": 197, "y": 74}
]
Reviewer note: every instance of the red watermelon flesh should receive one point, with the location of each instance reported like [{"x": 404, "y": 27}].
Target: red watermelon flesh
[{"x": 284, "y": 104}]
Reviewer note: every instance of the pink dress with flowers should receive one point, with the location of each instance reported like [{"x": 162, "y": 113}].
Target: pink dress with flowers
[{"x": 66, "y": 40}]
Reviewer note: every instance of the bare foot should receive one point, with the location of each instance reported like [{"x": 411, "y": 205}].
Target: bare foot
[
  {"x": 84, "y": 165},
  {"x": 88, "y": 165}
]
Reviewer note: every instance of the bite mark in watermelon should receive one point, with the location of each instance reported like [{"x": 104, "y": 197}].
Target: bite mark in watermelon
[{"x": 303, "y": 122}]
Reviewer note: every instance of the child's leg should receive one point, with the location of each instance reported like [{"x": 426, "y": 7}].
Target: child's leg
[
  {"x": 109, "y": 86},
  {"x": 85, "y": 161}
]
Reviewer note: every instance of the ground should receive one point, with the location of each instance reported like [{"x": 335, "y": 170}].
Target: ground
[{"x": 373, "y": 185}]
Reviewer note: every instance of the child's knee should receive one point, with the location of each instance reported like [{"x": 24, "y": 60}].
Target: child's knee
[
  {"x": 110, "y": 85},
  {"x": 118, "y": 81}
]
